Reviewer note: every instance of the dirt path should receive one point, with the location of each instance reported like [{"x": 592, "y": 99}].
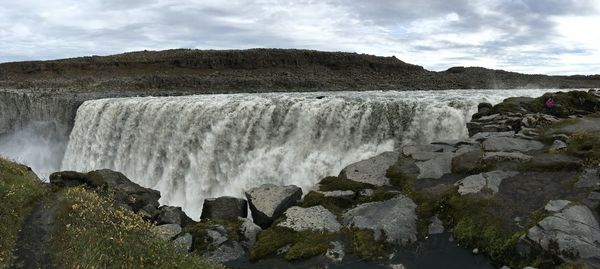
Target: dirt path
[{"x": 33, "y": 242}]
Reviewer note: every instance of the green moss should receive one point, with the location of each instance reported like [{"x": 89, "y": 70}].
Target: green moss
[
  {"x": 536, "y": 216},
  {"x": 341, "y": 184},
  {"x": 198, "y": 232},
  {"x": 365, "y": 246},
  {"x": 476, "y": 225},
  {"x": 20, "y": 189},
  {"x": 311, "y": 246},
  {"x": 91, "y": 233},
  {"x": 403, "y": 181},
  {"x": 302, "y": 244}
]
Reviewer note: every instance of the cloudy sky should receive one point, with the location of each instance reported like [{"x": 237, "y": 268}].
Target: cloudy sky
[{"x": 531, "y": 36}]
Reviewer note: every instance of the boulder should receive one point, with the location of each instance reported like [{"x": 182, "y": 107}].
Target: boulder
[
  {"x": 511, "y": 144},
  {"x": 315, "y": 218},
  {"x": 436, "y": 226},
  {"x": 268, "y": 202},
  {"x": 224, "y": 208},
  {"x": 396, "y": 218},
  {"x": 149, "y": 212},
  {"x": 484, "y": 108},
  {"x": 126, "y": 192},
  {"x": 249, "y": 231},
  {"x": 173, "y": 215},
  {"x": 437, "y": 167},
  {"x": 558, "y": 145},
  {"x": 479, "y": 182},
  {"x": 572, "y": 234},
  {"x": 215, "y": 236},
  {"x": 168, "y": 231},
  {"x": 590, "y": 178},
  {"x": 372, "y": 170},
  {"x": 226, "y": 252},
  {"x": 556, "y": 205},
  {"x": 183, "y": 243}
]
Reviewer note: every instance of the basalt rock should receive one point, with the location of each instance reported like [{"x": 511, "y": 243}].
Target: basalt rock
[
  {"x": 372, "y": 170},
  {"x": 224, "y": 208},
  {"x": 268, "y": 202},
  {"x": 572, "y": 233},
  {"x": 396, "y": 218},
  {"x": 174, "y": 215},
  {"x": 315, "y": 218}
]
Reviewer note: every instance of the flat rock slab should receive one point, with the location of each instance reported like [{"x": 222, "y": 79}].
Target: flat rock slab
[
  {"x": 268, "y": 202},
  {"x": 338, "y": 194},
  {"x": 315, "y": 218},
  {"x": 505, "y": 156},
  {"x": 437, "y": 167},
  {"x": 372, "y": 170},
  {"x": 572, "y": 232},
  {"x": 395, "y": 217},
  {"x": 479, "y": 182},
  {"x": 485, "y": 135},
  {"x": 511, "y": 144}
]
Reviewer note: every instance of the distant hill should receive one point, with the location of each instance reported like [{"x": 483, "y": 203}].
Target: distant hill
[{"x": 259, "y": 70}]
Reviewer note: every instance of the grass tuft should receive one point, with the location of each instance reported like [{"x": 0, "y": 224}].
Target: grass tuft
[{"x": 91, "y": 233}]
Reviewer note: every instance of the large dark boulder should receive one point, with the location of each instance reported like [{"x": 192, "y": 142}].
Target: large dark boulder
[
  {"x": 268, "y": 202},
  {"x": 224, "y": 208},
  {"x": 126, "y": 192},
  {"x": 173, "y": 215}
]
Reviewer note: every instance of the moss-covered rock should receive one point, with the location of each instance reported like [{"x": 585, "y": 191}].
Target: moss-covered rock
[{"x": 303, "y": 244}]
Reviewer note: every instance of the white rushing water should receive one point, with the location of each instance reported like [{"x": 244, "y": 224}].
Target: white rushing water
[{"x": 196, "y": 147}]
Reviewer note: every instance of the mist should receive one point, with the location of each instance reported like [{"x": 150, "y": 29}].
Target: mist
[{"x": 38, "y": 144}]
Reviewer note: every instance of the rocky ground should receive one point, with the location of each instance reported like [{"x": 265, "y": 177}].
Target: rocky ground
[
  {"x": 523, "y": 190},
  {"x": 258, "y": 70}
]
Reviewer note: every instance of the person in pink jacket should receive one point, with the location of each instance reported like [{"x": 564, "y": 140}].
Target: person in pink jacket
[{"x": 549, "y": 105}]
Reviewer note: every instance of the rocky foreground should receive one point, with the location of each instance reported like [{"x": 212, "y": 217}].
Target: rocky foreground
[
  {"x": 523, "y": 189},
  {"x": 184, "y": 71}
]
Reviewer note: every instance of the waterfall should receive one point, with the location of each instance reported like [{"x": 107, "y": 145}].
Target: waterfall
[{"x": 196, "y": 147}]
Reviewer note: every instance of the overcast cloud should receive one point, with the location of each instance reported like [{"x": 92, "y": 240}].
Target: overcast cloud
[{"x": 531, "y": 36}]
